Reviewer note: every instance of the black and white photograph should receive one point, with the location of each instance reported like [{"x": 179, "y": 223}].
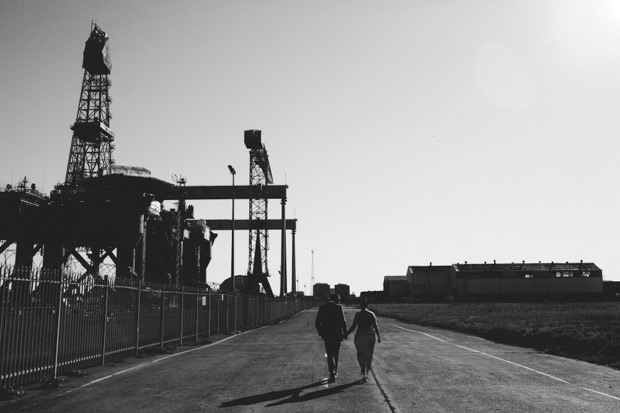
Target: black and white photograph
[{"x": 310, "y": 205}]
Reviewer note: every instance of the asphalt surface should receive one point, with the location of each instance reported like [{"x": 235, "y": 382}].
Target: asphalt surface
[{"x": 281, "y": 368}]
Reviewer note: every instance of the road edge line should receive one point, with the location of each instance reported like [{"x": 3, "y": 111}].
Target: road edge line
[
  {"x": 152, "y": 362},
  {"x": 507, "y": 361}
]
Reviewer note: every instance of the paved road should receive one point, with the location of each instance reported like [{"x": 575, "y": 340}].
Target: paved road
[{"x": 281, "y": 368}]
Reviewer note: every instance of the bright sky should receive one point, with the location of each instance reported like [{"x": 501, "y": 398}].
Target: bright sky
[{"x": 408, "y": 131}]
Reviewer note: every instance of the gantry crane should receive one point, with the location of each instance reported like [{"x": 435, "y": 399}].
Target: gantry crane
[{"x": 260, "y": 178}]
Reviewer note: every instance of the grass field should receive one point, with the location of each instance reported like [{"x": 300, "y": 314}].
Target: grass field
[{"x": 588, "y": 331}]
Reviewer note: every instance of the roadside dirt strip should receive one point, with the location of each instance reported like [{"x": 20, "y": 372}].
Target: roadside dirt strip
[{"x": 282, "y": 368}]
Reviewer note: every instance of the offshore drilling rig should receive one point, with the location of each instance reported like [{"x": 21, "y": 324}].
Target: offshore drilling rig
[
  {"x": 106, "y": 213},
  {"x": 91, "y": 146}
]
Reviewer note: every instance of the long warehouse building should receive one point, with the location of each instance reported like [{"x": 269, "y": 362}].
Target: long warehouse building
[{"x": 496, "y": 280}]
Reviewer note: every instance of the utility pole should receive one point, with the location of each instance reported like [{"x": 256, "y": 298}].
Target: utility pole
[{"x": 312, "y": 273}]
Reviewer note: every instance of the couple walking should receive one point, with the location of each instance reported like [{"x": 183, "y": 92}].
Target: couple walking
[{"x": 332, "y": 327}]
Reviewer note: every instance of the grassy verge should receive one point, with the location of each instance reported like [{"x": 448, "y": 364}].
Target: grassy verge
[{"x": 585, "y": 331}]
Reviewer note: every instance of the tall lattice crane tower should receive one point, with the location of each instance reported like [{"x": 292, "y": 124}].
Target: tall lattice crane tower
[
  {"x": 92, "y": 143},
  {"x": 260, "y": 176}
]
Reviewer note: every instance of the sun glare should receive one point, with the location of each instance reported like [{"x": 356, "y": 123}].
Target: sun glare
[{"x": 614, "y": 8}]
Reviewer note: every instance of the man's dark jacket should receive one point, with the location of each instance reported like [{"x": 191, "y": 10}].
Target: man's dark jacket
[{"x": 330, "y": 322}]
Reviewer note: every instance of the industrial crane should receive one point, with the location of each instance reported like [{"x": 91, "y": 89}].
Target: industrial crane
[{"x": 260, "y": 178}]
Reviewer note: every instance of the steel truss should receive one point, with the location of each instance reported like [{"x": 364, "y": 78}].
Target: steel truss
[{"x": 90, "y": 155}]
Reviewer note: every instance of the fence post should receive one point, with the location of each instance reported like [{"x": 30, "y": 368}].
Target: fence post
[
  {"x": 161, "y": 320},
  {"x": 181, "y": 318},
  {"x": 139, "y": 292},
  {"x": 227, "y": 312},
  {"x": 3, "y": 302},
  {"x": 57, "y": 342},
  {"x": 105, "y": 319},
  {"x": 197, "y": 313}
]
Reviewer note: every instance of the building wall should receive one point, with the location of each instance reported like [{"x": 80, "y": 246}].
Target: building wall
[
  {"x": 529, "y": 286},
  {"x": 396, "y": 286},
  {"x": 501, "y": 280},
  {"x": 343, "y": 291},
  {"x": 320, "y": 290},
  {"x": 429, "y": 281},
  {"x": 565, "y": 279}
]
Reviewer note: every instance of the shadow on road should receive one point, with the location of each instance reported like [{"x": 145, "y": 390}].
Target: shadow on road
[{"x": 291, "y": 395}]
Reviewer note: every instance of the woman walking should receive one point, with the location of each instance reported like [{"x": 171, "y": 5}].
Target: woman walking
[{"x": 366, "y": 323}]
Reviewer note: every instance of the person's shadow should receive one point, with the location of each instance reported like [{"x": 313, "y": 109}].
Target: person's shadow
[{"x": 290, "y": 395}]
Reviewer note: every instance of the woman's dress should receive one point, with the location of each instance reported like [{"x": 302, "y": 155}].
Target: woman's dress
[{"x": 365, "y": 341}]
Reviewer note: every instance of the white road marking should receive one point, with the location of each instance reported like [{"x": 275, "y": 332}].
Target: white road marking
[
  {"x": 513, "y": 363},
  {"x": 602, "y": 394},
  {"x": 506, "y": 361},
  {"x": 150, "y": 362}
]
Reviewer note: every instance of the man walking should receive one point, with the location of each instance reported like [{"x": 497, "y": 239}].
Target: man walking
[{"x": 332, "y": 327}]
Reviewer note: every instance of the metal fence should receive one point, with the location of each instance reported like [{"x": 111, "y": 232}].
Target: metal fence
[{"x": 50, "y": 327}]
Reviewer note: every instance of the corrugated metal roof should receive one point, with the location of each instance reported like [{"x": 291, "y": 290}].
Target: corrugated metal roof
[
  {"x": 431, "y": 269},
  {"x": 395, "y": 278},
  {"x": 551, "y": 266}
]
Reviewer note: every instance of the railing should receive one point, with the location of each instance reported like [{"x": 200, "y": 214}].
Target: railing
[{"x": 50, "y": 328}]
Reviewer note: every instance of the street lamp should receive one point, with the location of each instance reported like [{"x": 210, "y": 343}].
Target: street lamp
[{"x": 232, "y": 245}]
